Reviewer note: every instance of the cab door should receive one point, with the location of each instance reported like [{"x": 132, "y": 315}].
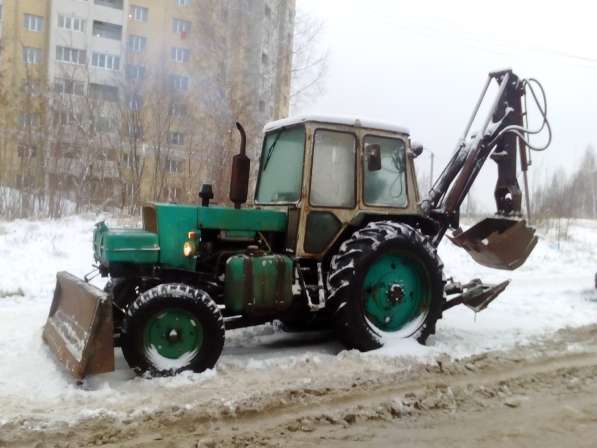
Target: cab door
[{"x": 332, "y": 183}]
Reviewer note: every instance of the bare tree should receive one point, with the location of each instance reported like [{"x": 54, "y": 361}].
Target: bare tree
[{"x": 309, "y": 59}]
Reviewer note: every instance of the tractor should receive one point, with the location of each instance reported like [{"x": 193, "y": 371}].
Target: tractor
[{"x": 338, "y": 237}]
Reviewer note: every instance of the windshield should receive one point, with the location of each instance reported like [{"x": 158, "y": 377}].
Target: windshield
[
  {"x": 281, "y": 168},
  {"x": 387, "y": 187}
]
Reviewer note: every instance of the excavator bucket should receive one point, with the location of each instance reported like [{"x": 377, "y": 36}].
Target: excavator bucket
[
  {"x": 79, "y": 329},
  {"x": 499, "y": 243}
]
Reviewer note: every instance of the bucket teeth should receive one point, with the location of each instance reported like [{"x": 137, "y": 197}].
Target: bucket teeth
[
  {"x": 500, "y": 243},
  {"x": 79, "y": 329}
]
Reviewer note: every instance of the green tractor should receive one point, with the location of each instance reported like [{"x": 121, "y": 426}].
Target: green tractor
[{"x": 338, "y": 237}]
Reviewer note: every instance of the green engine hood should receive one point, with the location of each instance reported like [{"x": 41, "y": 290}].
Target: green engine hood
[
  {"x": 125, "y": 246},
  {"x": 166, "y": 229}
]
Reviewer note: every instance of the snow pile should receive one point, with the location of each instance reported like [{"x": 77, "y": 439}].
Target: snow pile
[{"x": 554, "y": 289}]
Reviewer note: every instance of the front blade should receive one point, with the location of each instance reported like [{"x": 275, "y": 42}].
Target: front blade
[
  {"x": 79, "y": 329},
  {"x": 499, "y": 243}
]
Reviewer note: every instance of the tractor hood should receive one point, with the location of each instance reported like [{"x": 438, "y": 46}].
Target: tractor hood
[
  {"x": 124, "y": 245},
  {"x": 166, "y": 228},
  {"x": 159, "y": 217}
]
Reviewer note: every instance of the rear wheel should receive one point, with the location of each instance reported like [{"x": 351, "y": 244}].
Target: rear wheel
[
  {"x": 385, "y": 279},
  {"x": 171, "y": 328}
]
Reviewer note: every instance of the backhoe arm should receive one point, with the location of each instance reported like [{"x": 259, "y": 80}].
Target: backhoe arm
[
  {"x": 506, "y": 114},
  {"x": 502, "y": 137}
]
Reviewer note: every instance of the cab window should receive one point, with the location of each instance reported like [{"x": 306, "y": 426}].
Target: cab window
[
  {"x": 387, "y": 186},
  {"x": 333, "y": 171}
]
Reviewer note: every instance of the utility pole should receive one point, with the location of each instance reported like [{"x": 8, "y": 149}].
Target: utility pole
[{"x": 431, "y": 170}]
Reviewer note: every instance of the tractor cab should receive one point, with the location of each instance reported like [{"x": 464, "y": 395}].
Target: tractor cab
[{"x": 332, "y": 174}]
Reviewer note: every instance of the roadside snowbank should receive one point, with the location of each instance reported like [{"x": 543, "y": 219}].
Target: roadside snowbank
[{"x": 554, "y": 289}]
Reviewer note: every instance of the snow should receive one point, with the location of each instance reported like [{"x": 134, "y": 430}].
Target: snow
[
  {"x": 350, "y": 121},
  {"x": 553, "y": 290},
  {"x": 74, "y": 336},
  {"x": 165, "y": 364}
]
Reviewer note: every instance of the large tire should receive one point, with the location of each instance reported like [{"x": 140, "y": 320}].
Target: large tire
[
  {"x": 382, "y": 276},
  {"x": 122, "y": 291},
  {"x": 171, "y": 328}
]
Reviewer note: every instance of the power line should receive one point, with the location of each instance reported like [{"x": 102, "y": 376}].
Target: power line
[{"x": 476, "y": 40}]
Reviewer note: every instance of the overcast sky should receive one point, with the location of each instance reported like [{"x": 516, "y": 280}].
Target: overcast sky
[{"x": 422, "y": 64}]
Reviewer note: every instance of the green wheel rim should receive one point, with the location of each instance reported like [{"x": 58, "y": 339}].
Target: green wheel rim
[
  {"x": 173, "y": 333},
  {"x": 396, "y": 291}
]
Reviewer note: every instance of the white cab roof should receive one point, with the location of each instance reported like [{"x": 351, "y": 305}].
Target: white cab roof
[{"x": 350, "y": 121}]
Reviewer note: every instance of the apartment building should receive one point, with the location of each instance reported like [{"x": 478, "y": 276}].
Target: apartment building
[{"x": 157, "y": 80}]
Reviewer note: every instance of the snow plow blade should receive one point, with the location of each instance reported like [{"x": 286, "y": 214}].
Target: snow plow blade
[
  {"x": 79, "y": 329},
  {"x": 499, "y": 243}
]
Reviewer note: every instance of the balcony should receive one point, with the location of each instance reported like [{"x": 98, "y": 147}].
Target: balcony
[
  {"x": 116, "y": 4},
  {"x": 107, "y": 30}
]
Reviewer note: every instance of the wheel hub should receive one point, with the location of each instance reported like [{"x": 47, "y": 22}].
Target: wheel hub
[
  {"x": 174, "y": 333},
  {"x": 395, "y": 291}
]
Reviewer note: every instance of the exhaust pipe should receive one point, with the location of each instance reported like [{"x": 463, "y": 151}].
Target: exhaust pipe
[{"x": 241, "y": 167}]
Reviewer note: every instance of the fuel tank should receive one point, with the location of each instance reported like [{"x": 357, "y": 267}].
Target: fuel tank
[{"x": 258, "y": 284}]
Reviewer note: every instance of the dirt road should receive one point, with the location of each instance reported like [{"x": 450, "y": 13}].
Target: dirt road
[{"x": 544, "y": 394}]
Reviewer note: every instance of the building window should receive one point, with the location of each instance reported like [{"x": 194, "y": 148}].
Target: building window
[
  {"x": 69, "y": 87},
  {"x": 175, "y": 138},
  {"x": 129, "y": 160},
  {"x": 173, "y": 166},
  {"x": 104, "y": 124},
  {"x": 172, "y": 193},
  {"x": 31, "y": 55},
  {"x": 72, "y": 23},
  {"x": 117, "y": 4},
  {"x": 28, "y": 119},
  {"x": 261, "y": 106},
  {"x": 180, "y": 54},
  {"x": 34, "y": 23},
  {"x": 139, "y": 13},
  {"x": 178, "y": 82},
  {"x": 182, "y": 27},
  {"x": 71, "y": 55},
  {"x": 107, "y": 30},
  {"x": 135, "y": 103},
  {"x": 103, "y": 92},
  {"x": 135, "y": 72},
  {"x": 179, "y": 110},
  {"x": 264, "y": 58},
  {"x": 64, "y": 118},
  {"x": 26, "y": 151},
  {"x": 183, "y": 2},
  {"x": 135, "y": 130},
  {"x": 105, "y": 61},
  {"x": 31, "y": 87},
  {"x": 137, "y": 44},
  {"x": 268, "y": 11}
]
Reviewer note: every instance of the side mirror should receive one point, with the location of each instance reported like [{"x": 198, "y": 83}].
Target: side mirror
[
  {"x": 416, "y": 149},
  {"x": 373, "y": 153}
]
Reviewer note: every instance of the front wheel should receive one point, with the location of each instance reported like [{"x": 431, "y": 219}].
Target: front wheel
[
  {"x": 385, "y": 279},
  {"x": 172, "y": 328}
]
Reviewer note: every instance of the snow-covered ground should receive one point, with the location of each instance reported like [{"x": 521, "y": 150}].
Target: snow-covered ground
[{"x": 554, "y": 289}]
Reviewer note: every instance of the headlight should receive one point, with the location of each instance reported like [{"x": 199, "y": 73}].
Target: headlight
[{"x": 189, "y": 249}]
